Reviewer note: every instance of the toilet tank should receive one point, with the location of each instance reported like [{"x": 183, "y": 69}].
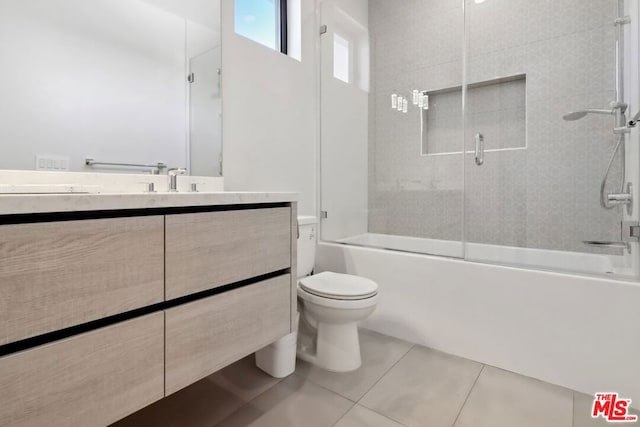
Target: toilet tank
[{"x": 308, "y": 226}]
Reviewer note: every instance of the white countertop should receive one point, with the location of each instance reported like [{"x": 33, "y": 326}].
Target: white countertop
[{"x": 11, "y": 204}]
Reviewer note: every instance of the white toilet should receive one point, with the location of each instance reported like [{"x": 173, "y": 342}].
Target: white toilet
[{"x": 330, "y": 305}]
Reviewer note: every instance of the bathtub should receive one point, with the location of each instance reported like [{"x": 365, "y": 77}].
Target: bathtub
[
  {"x": 506, "y": 255},
  {"x": 577, "y": 331}
]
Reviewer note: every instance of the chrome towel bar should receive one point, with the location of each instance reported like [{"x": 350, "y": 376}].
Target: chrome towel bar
[{"x": 155, "y": 168}]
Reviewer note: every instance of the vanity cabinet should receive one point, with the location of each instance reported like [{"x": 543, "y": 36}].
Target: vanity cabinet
[
  {"x": 54, "y": 275},
  {"x": 209, "y": 334},
  {"x": 102, "y": 316},
  {"x": 88, "y": 380},
  {"x": 211, "y": 249}
]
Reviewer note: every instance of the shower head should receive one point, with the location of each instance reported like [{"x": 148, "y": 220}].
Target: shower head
[{"x": 577, "y": 115}]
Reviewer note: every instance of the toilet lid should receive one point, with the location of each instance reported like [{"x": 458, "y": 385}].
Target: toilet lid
[{"x": 339, "y": 286}]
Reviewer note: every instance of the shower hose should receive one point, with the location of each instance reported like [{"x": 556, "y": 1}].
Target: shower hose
[{"x": 603, "y": 196}]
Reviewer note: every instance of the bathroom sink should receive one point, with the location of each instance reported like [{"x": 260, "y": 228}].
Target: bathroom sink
[{"x": 48, "y": 189}]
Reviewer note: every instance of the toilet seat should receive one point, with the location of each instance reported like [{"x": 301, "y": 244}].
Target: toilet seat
[{"x": 345, "y": 287}]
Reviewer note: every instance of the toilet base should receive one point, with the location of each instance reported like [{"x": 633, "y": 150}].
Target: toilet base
[
  {"x": 337, "y": 347},
  {"x": 328, "y": 330}
]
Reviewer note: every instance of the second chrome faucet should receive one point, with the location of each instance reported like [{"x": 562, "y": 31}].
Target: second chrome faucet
[{"x": 173, "y": 178}]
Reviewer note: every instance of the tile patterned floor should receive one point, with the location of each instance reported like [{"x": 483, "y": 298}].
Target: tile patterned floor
[{"x": 399, "y": 384}]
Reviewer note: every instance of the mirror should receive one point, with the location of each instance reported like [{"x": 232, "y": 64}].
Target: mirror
[{"x": 116, "y": 81}]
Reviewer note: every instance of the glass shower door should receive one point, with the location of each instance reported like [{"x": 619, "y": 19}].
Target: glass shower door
[
  {"x": 344, "y": 82},
  {"x": 391, "y": 125},
  {"x": 532, "y": 172},
  {"x": 205, "y": 113}
]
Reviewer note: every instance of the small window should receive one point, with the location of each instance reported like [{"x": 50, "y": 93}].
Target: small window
[
  {"x": 340, "y": 58},
  {"x": 263, "y": 21}
]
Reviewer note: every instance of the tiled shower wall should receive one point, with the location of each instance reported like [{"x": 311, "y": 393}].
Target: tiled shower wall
[{"x": 545, "y": 196}]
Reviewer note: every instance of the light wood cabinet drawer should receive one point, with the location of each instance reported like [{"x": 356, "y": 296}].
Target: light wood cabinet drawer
[
  {"x": 207, "y": 335},
  {"x": 58, "y": 274},
  {"x": 92, "y": 379},
  {"x": 208, "y": 250}
]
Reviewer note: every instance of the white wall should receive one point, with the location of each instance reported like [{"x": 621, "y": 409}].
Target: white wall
[
  {"x": 270, "y": 113},
  {"x": 578, "y": 332},
  {"x": 201, "y": 12},
  {"x": 104, "y": 79},
  {"x": 356, "y": 9}
]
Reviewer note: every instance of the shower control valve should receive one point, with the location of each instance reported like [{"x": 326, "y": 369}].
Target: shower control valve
[
  {"x": 614, "y": 199},
  {"x": 619, "y": 198}
]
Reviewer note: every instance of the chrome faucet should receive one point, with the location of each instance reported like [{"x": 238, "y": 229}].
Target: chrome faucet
[{"x": 173, "y": 178}]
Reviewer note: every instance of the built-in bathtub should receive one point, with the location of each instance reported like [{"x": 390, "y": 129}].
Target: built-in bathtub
[
  {"x": 506, "y": 255},
  {"x": 578, "y": 331}
]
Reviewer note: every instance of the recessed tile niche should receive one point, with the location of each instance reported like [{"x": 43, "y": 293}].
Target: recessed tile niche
[{"x": 495, "y": 108}]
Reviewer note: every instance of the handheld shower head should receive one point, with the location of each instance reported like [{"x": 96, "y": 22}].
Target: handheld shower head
[{"x": 577, "y": 115}]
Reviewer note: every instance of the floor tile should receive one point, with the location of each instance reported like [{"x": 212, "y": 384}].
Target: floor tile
[
  {"x": 244, "y": 379},
  {"x": 359, "y": 416},
  {"x": 582, "y": 405},
  {"x": 206, "y": 402},
  {"x": 379, "y": 354},
  {"x": 291, "y": 403},
  {"x": 200, "y": 405},
  {"x": 426, "y": 388},
  {"x": 505, "y": 399}
]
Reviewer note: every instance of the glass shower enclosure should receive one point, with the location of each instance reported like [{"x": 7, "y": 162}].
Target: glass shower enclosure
[{"x": 490, "y": 130}]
